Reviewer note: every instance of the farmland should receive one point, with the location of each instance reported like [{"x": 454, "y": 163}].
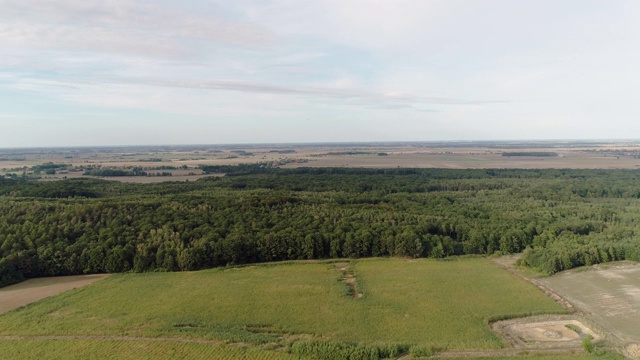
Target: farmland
[
  {"x": 183, "y": 161},
  {"x": 129, "y": 349},
  {"x": 611, "y": 293},
  {"x": 442, "y": 305}
]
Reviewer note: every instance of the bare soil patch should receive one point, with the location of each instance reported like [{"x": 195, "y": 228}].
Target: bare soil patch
[
  {"x": 633, "y": 351},
  {"x": 32, "y": 290},
  {"x": 553, "y": 331}
]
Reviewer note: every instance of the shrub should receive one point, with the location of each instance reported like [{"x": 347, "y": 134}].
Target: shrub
[{"x": 330, "y": 350}]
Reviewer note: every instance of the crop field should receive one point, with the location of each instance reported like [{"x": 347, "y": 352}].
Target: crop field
[
  {"x": 427, "y": 303},
  {"x": 610, "y": 293},
  {"x": 134, "y": 350},
  {"x": 472, "y": 158}
]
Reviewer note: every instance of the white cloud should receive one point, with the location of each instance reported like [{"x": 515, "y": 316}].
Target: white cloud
[
  {"x": 406, "y": 69},
  {"x": 119, "y": 26}
]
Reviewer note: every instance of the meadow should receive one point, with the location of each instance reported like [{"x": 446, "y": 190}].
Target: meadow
[{"x": 420, "y": 304}]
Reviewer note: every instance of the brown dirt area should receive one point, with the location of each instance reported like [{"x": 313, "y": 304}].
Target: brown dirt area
[
  {"x": 32, "y": 290},
  {"x": 543, "y": 331}
]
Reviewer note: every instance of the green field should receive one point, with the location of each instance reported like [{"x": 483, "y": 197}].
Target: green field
[
  {"x": 425, "y": 303},
  {"x": 134, "y": 350}
]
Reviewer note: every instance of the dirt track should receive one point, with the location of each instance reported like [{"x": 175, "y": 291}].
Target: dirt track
[{"x": 32, "y": 290}]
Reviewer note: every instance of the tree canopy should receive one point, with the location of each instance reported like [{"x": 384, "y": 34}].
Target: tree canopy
[{"x": 559, "y": 218}]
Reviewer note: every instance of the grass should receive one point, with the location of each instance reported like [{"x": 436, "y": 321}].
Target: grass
[
  {"x": 421, "y": 303},
  {"x": 442, "y": 304},
  {"x": 134, "y": 350}
]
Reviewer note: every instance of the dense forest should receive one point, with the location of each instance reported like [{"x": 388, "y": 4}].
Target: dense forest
[{"x": 256, "y": 213}]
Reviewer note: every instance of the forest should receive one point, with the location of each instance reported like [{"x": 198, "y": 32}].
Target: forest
[{"x": 559, "y": 218}]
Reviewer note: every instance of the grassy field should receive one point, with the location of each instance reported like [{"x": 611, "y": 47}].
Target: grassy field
[
  {"x": 134, "y": 350},
  {"x": 427, "y": 303}
]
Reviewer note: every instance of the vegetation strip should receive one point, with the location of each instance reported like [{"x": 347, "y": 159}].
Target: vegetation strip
[{"x": 349, "y": 279}]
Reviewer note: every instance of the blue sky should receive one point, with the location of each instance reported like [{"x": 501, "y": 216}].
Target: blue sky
[{"x": 124, "y": 72}]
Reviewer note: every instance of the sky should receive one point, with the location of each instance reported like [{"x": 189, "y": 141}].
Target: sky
[{"x": 134, "y": 72}]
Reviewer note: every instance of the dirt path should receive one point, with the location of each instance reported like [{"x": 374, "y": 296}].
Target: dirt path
[
  {"x": 349, "y": 279},
  {"x": 32, "y": 290},
  {"x": 497, "y": 353}
]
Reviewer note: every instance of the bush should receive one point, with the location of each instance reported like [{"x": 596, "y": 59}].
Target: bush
[
  {"x": 417, "y": 351},
  {"x": 587, "y": 344}
]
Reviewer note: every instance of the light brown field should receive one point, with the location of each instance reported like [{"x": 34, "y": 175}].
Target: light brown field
[
  {"x": 609, "y": 294},
  {"x": 32, "y": 290},
  {"x": 476, "y": 158}
]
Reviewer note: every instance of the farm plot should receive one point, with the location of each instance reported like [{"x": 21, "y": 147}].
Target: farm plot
[
  {"x": 124, "y": 350},
  {"x": 608, "y": 293},
  {"x": 426, "y": 303}
]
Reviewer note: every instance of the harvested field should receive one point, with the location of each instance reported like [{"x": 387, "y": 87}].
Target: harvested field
[
  {"x": 32, "y": 290},
  {"x": 610, "y": 294}
]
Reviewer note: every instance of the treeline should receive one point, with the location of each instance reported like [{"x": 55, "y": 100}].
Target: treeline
[
  {"x": 48, "y": 166},
  {"x": 136, "y": 171},
  {"x": 561, "y": 218}
]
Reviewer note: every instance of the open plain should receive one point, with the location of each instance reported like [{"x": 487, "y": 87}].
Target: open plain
[{"x": 183, "y": 162}]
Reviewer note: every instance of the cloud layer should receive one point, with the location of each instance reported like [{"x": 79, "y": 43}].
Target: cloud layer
[{"x": 325, "y": 70}]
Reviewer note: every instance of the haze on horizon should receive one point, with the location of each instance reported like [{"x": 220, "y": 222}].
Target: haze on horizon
[{"x": 125, "y": 72}]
